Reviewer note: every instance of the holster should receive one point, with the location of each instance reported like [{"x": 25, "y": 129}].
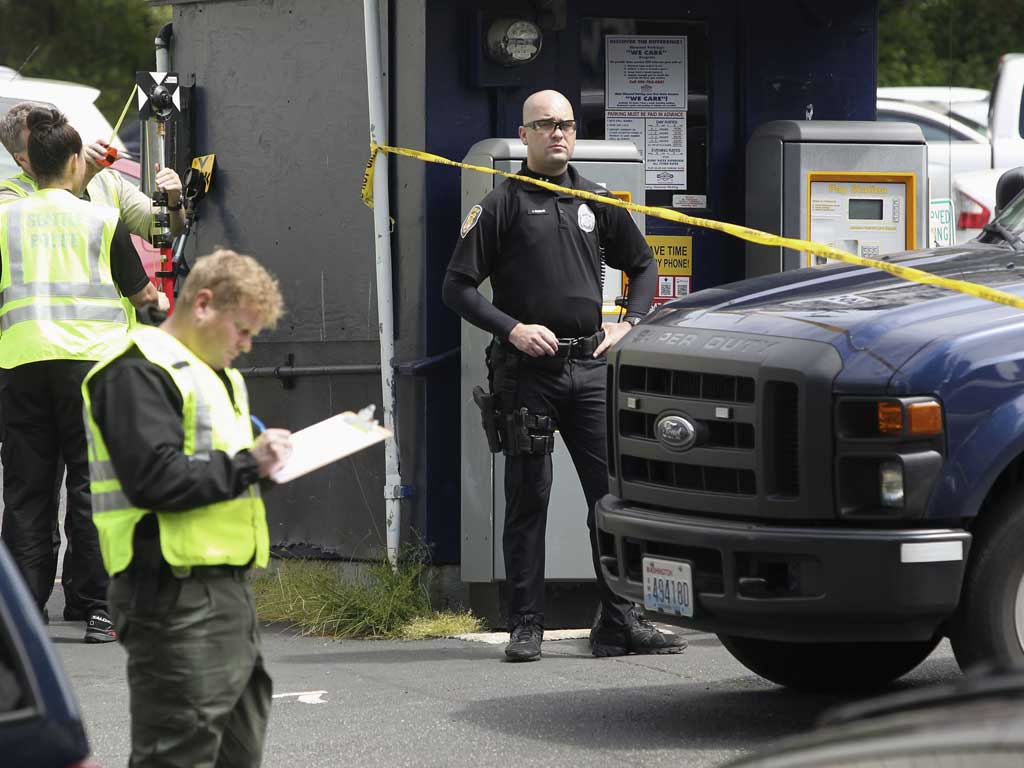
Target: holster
[
  {"x": 528, "y": 433},
  {"x": 489, "y": 417}
]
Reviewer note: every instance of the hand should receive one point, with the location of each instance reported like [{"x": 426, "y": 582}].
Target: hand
[
  {"x": 162, "y": 302},
  {"x": 168, "y": 180},
  {"x": 534, "y": 340},
  {"x": 271, "y": 450},
  {"x": 94, "y": 154},
  {"x": 612, "y": 333}
]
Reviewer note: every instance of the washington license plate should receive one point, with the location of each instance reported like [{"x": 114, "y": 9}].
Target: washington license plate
[{"x": 668, "y": 586}]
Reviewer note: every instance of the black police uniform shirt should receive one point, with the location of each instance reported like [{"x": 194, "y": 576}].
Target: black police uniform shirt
[{"x": 541, "y": 251}]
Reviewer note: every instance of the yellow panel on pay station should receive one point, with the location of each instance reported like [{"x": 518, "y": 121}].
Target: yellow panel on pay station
[{"x": 674, "y": 254}]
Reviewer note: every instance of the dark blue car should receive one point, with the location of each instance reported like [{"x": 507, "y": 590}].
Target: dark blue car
[{"x": 40, "y": 723}]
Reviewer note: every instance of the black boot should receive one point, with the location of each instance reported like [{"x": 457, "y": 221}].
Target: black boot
[
  {"x": 637, "y": 636},
  {"x": 99, "y": 628},
  {"x": 524, "y": 643}
]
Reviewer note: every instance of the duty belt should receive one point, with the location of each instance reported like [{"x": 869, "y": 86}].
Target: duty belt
[{"x": 581, "y": 346}]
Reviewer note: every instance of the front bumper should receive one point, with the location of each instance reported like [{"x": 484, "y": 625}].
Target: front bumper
[{"x": 795, "y": 584}]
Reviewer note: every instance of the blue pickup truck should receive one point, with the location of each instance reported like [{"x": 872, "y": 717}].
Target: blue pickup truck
[{"x": 825, "y": 467}]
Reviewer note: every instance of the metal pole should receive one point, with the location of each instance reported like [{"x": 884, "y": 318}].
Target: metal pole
[{"x": 382, "y": 238}]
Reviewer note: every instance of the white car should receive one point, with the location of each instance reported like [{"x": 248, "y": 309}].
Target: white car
[
  {"x": 76, "y": 101},
  {"x": 969, "y": 105},
  {"x": 954, "y": 145},
  {"x": 974, "y": 201}
]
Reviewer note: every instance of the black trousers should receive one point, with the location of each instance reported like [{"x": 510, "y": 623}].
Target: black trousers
[
  {"x": 572, "y": 392},
  {"x": 41, "y": 405}
]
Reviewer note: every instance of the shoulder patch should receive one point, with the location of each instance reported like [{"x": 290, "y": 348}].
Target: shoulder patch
[{"x": 471, "y": 219}]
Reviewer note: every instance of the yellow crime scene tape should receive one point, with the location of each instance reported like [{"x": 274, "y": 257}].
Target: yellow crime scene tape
[{"x": 744, "y": 233}]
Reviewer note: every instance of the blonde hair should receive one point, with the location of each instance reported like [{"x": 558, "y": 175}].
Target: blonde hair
[{"x": 235, "y": 280}]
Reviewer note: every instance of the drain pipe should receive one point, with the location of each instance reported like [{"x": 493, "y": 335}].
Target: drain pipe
[
  {"x": 393, "y": 489},
  {"x": 163, "y": 47}
]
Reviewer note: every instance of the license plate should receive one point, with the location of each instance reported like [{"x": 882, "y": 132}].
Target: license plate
[{"x": 668, "y": 586}]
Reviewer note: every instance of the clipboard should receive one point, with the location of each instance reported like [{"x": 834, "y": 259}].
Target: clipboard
[{"x": 329, "y": 440}]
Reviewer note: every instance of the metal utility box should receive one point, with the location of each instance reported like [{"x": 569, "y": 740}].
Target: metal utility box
[
  {"x": 859, "y": 186},
  {"x": 617, "y": 166}
]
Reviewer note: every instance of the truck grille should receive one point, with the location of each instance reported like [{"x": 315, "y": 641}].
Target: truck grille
[
  {"x": 690, "y": 477},
  {"x": 782, "y": 417},
  {"x": 749, "y": 436},
  {"x": 761, "y": 411},
  {"x": 721, "y": 434},
  {"x": 688, "y": 384}
]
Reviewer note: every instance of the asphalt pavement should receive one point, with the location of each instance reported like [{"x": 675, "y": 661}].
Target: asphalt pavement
[{"x": 458, "y": 703}]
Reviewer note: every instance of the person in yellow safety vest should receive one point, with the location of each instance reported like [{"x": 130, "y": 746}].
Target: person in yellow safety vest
[
  {"x": 106, "y": 187},
  {"x": 176, "y": 500},
  {"x": 65, "y": 268},
  {"x": 102, "y": 185}
]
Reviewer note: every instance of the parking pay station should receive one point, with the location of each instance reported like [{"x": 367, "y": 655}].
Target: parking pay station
[
  {"x": 861, "y": 187},
  {"x": 618, "y": 167}
]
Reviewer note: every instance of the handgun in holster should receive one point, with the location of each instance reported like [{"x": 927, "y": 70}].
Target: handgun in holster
[{"x": 489, "y": 416}]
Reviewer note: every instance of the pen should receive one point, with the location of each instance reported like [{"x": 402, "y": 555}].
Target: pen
[{"x": 258, "y": 424}]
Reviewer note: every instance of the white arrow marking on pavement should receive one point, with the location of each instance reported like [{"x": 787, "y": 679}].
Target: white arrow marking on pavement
[{"x": 306, "y": 697}]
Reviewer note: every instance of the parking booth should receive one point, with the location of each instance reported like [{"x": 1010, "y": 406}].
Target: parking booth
[
  {"x": 618, "y": 167},
  {"x": 859, "y": 186}
]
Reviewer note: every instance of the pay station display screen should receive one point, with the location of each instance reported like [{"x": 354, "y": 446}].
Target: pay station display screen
[
  {"x": 866, "y": 209},
  {"x": 864, "y": 217}
]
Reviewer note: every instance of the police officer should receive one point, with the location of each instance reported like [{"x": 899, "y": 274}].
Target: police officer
[
  {"x": 104, "y": 186},
  {"x": 176, "y": 499},
  {"x": 65, "y": 267},
  {"x": 542, "y": 252}
]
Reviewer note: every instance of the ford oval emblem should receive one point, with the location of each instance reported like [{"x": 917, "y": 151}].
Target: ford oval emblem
[{"x": 676, "y": 432}]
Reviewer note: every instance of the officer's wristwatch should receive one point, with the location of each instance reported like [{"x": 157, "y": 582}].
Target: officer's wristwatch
[{"x": 632, "y": 320}]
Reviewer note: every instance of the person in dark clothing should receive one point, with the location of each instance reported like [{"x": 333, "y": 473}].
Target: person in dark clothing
[
  {"x": 175, "y": 477},
  {"x": 542, "y": 252},
  {"x": 66, "y": 266}
]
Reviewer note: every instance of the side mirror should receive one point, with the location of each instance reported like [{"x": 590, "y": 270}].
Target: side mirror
[{"x": 1008, "y": 187}]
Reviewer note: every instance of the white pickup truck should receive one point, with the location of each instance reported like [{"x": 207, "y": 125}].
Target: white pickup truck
[{"x": 974, "y": 192}]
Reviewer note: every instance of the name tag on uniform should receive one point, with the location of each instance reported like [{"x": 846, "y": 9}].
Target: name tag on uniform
[{"x": 537, "y": 211}]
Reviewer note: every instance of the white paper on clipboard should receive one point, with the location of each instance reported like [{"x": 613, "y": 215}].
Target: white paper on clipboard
[{"x": 329, "y": 440}]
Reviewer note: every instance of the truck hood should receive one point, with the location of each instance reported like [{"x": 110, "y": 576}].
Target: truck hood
[{"x": 875, "y": 320}]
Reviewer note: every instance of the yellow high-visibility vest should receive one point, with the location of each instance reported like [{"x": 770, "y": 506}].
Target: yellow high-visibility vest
[
  {"x": 58, "y": 299},
  {"x": 232, "y": 532},
  {"x": 102, "y": 187},
  {"x": 21, "y": 185}
]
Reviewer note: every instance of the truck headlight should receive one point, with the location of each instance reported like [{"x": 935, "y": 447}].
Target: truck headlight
[{"x": 890, "y": 483}]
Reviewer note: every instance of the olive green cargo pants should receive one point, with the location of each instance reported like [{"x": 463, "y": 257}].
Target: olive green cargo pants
[{"x": 198, "y": 691}]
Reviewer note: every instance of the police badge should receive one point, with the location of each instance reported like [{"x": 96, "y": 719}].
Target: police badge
[{"x": 585, "y": 218}]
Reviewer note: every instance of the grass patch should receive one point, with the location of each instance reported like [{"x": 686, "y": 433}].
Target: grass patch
[
  {"x": 374, "y": 602},
  {"x": 441, "y": 624}
]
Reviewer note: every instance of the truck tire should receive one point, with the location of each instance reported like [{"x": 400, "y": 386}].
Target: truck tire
[
  {"x": 989, "y": 624},
  {"x": 828, "y": 667}
]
